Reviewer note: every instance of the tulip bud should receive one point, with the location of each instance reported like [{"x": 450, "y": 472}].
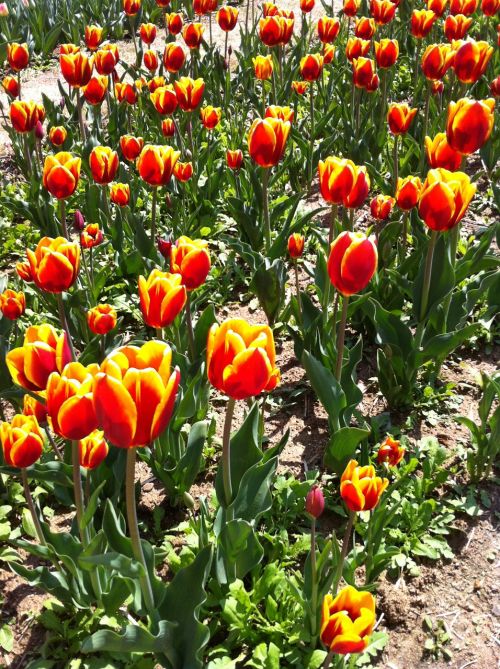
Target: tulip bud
[
  {"x": 78, "y": 221},
  {"x": 4, "y": 10},
  {"x": 315, "y": 502},
  {"x": 39, "y": 131},
  {"x": 164, "y": 246},
  {"x": 62, "y": 104}
]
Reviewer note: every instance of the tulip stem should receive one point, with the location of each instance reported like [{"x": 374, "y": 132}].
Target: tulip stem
[
  {"x": 78, "y": 490},
  {"x": 153, "y": 213},
  {"x": 31, "y": 507},
  {"x": 311, "y": 145},
  {"x": 190, "y": 331},
  {"x": 326, "y": 291},
  {"x": 80, "y": 116},
  {"x": 426, "y": 285},
  {"x": 426, "y": 122},
  {"x": 405, "y": 236},
  {"x": 53, "y": 444},
  {"x": 297, "y": 288},
  {"x": 341, "y": 337},
  {"x": 328, "y": 660},
  {"x": 396, "y": 161},
  {"x": 62, "y": 217},
  {"x": 64, "y": 323},
  {"x": 226, "y": 455},
  {"x": 343, "y": 553},
  {"x": 314, "y": 582},
  {"x": 453, "y": 240},
  {"x": 19, "y": 84},
  {"x": 135, "y": 537},
  {"x": 265, "y": 207}
]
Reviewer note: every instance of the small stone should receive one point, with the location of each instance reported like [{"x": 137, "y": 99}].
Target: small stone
[
  {"x": 478, "y": 584},
  {"x": 148, "y": 487}
]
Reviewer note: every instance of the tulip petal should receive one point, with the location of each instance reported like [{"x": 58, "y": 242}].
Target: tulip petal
[{"x": 115, "y": 410}]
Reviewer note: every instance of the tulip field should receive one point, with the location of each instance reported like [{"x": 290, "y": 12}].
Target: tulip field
[{"x": 249, "y": 334}]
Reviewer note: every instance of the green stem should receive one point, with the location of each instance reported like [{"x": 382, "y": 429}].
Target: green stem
[
  {"x": 297, "y": 288},
  {"x": 62, "y": 217},
  {"x": 405, "y": 236},
  {"x": 311, "y": 145},
  {"x": 31, "y": 507},
  {"x": 314, "y": 582},
  {"x": 153, "y": 213},
  {"x": 343, "y": 554},
  {"x": 78, "y": 491},
  {"x": 64, "y": 323},
  {"x": 341, "y": 337},
  {"x": 80, "y": 116},
  {"x": 326, "y": 290},
  {"x": 265, "y": 207},
  {"x": 226, "y": 454},
  {"x": 425, "y": 124},
  {"x": 190, "y": 331},
  {"x": 396, "y": 161},
  {"x": 53, "y": 444},
  {"x": 328, "y": 660},
  {"x": 425, "y": 287}
]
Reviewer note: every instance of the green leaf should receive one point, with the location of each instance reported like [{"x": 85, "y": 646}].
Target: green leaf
[
  {"x": 325, "y": 385},
  {"x": 342, "y": 446},
  {"x": 6, "y": 638},
  {"x": 134, "y": 639}
]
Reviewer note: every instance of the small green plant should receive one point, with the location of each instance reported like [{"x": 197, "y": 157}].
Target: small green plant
[{"x": 437, "y": 640}]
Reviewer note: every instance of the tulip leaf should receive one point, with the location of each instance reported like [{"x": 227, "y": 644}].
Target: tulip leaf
[
  {"x": 326, "y": 387},
  {"x": 134, "y": 639},
  {"x": 442, "y": 278},
  {"x": 238, "y": 550},
  {"x": 268, "y": 283},
  {"x": 92, "y": 505},
  {"x": 342, "y": 446}
]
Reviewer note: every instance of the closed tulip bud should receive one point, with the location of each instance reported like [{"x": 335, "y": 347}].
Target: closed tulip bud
[
  {"x": 210, "y": 117},
  {"x": 190, "y": 259},
  {"x": 360, "y": 487},
  {"x": 101, "y": 319},
  {"x": 91, "y": 236},
  {"x": 11, "y": 86},
  {"x": 22, "y": 441},
  {"x": 306, "y": 6},
  {"x": 18, "y": 56},
  {"x": 57, "y": 135},
  {"x": 383, "y": 11},
  {"x": 422, "y": 21},
  {"x": 296, "y": 245},
  {"x": 363, "y": 71},
  {"x": 263, "y": 67},
  {"x": 131, "y": 7},
  {"x": 469, "y": 124},
  {"x": 156, "y": 164},
  {"x": 162, "y": 297},
  {"x": 164, "y": 246},
  {"x": 328, "y": 29},
  {"x": 125, "y": 92},
  {"x": 131, "y": 146},
  {"x": 25, "y": 115},
  {"x": 300, "y": 87},
  {"x": 43, "y": 352},
  {"x": 267, "y": 140},
  {"x": 408, "y": 192},
  {"x": 444, "y": 198},
  {"x": 365, "y": 28},
  {"x": 93, "y": 37},
  {"x": 164, "y": 100},
  {"x": 386, "y": 52},
  {"x": 173, "y": 57},
  {"x": 336, "y": 178},
  {"x": 227, "y": 18},
  {"x": 54, "y": 264},
  {"x": 315, "y": 502},
  {"x": 390, "y": 451},
  {"x": 189, "y": 92},
  {"x": 151, "y": 60},
  {"x": 373, "y": 84},
  {"x": 490, "y": 7},
  {"x": 471, "y": 60},
  {"x": 183, "y": 171},
  {"x": 69, "y": 400},
  {"x": 61, "y": 173},
  {"x": 4, "y": 10},
  {"x": 456, "y": 27},
  {"x": 311, "y": 66},
  {"x": 283, "y": 113},
  {"x": 12, "y": 304},
  {"x": 356, "y": 48},
  {"x": 465, "y": 7},
  {"x": 495, "y": 87},
  {"x": 352, "y": 262},
  {"x": 23, "y": 270},
  {"x": 168, "y": 127},
  {"x": 119, "y": 194},
  {"x": 241, "y": 359},
  {"x": 286, "y": 29},
  {"x": 347, "y": 621},
  {"x": 92, "y": 450},
  {"x": 399, "y": 117},
  {"x": 135, "y": 392},
  {"x": 147, "y": 33},
  {"x": 174, "y": 23},
  {"x": 440, "y": 154},
  {"x": 106, "y": 59},
  {"x": 350, "y": 7},
  {"x": 39, "y": 131},
  {"x": 104, "y": 163},
  {"x": 328, "y": 53},
  {"x": 381, "y": 207},
  {"x": 192, "y": 34},
  {"x": 32, "y": 407},
  {"x": 436, "y": 61},
  {"x": 437, "y": 88},
  {"x": 78, "y": 221},
  {"x": 234, "y": 159},
  {"x": 76, "y": 68}
]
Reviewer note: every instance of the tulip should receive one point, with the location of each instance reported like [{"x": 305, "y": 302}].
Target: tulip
[
  {"x": 356, "y": 48},
  {"x": 390, "y": 451},
  {"x": 383, "y": 11},
  {"x": 241, "y": 359},
  {"x": 352, "y": 262},
  {"x": 306, "y": 6},
  {"x": 381, "y": 207},
  {"x": 192, "y": 34},
  {"x": 91, "y": 236},
  {"x": 93, "y": 37},
  {"x": 12, "y": 304},
  {"x": 360, "y": 487},
  {"x": 283, "y": 113},
  {"x": 92, "y": 450},
  {"x": 469, "y": 124},
  {"x": 495, "y": 87},
  {"x": 234, "y": 159},
  {"x": 174, "y": 23},
  {"x": 399, "y": 117},
  {"x": 68, "y": 49},
  {"x": 386, "y": 52},
  {"x": 54, "y": 264},
  {"x": 78, "y": 221},
  {"x": 315, "y": 502},
  {"x": 101, "y": 319},
  {"x": 227, "y": 18},
  {"x": 336, "y": 178},
  {"x": 11, "y": 86},
  {"x": 436, "y": 61},
  {"x": 24, "y": 271},
  {"x": 103, "y": 163},
  {"x": 183, "y": 171},
  {"x": 168, "y": 127},
  {"x": 164, "y": 100},
  {"x": 58, "y": 135},
  {"x": 437, "y": 6},
  {"x": 22, "y": 441},
  {"x": 328, "y": 53},
  {"x": 347, "y": 621},
  {"x": 437, "y": 87},
  {"x": 311, "y": 66},
  {"x": 328, "y": 29},
  {"x": 296, "y": 245},
  {"x": 456, "y": 27},
  {"x": 190, "y": 259},
  {"x": 363, "y": 72},
  {"x": 350, "y": 7},
  {"x": 18, "y": 56},
  {"x": 173, "y": 57},
  {"x": 471, "y": 60},
  {"x": 164, "y": 246},
  {"x": 422, "y": 21},
  {"x": 189, "y": 92},
  {"x": 125, "y": 92},
  {"x": 444, "y": 198},
  {"x": 440, "y": 154},
  {"x": 119, "y": 194},
  {"x": 162, "y": 298},
  {"x": 162, "y": 3},
  {"x": 359, "y": 191},
  {"x": 39, "y": 131},
  {"x": 147, "y": 32},
  {"x": 131, "y": 146},
  {"x": 286, "y": 28},
  {"x": 156, "y": 82},
  {"x": 490, "y": 7},
  {"x": 25, "y": 115},
  {"x": 131, "y": 7},
  {"x": 274, "y": 30},
  {"x": 76, "y": 68},
  {"x": 300, "y": 87},
  {"x": 106, "y": 59},
  {"x": 151, "y": 60},
  {"x": 267, "y": 140},
  {"x": 156, "y": 164},
  {"x": 61, "y": 173},
  {"x": 465, "y": 7},
  {"x": 365, "y": 28},
  {"x": 134, "y": 393},
  {"x": 4, "y": 10},
  {"x": 210, "y": 117},
  {"x": 263, "y": 67},
  {"x": 408, "y": 192},
  {"x": 32, "y": 407}
]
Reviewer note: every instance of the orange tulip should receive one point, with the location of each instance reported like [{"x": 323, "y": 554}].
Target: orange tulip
[
  {"x": 465, "y": 7},
  {"x": 93, "y": 37},
  {"x": 386, "y": 52},
  {"x": 352, "y": 262},
  {"x": 399, "y": 117},
  {"x": 61, "y": 173},
  {"x": 189, "y": 92},
  {"x": 227, "y": 18},
  {"x": 25, "y": 115},
  {"x": 173, "y": 57},
  {"x": 383, "y": 11},
  {"x": 436, "y": 61},
  {"x": 22, "y": 441},
  {"x": 23, "y": 270},
  {"x": 471, "y": 60},
  {"x": 363, "y": 72},
  {"x": 190, "y": 259},
  {"x": 490, "y": 7},
  {"x": 365, "y": 27},
  {"x": 76, "y": 68},
  {"x": 58, "y": 135},
  {"x": 164, "y": 100},
  {"x": 92, "y": 450},
  {"x": 69, "y": 400},
  {"x": 328, "y": 29},
  {"x": 495, "y": 87},
  {"x": 437, "y": 6},
  {"x": 11, "y": 86},
  {"x": 241, "y": 359},
  {"x": 174, "y": 23},
  {"x": 32, "y": 407},
  {"x": 43, "y": 352},
  {"x": 156, "y": 164},
  {"x": 444, "y": 198},
  {"x": 390, "y": 451},
  {"x": 131, "y": 7},
  {"x": 263, "y": 67},
  {"x": 456, "y": 27},
  {"x": 422, "y": 21},
  {"x": 162, "y": 297},
  {"x": 18, "y": 56},
  {"x": 440, "y": 154},
  {"x": 274, "y": 30},
  {"x": 134, "y": 393},
  {"x": 356, "y": 48},
  {"x": 306, "y": 6},
  {"x": 286, "y": 28},
  {"x": 336, "y": 178},
  {"x": 168, "y": 127},
  {"x": 192, "y": 34},
  {"x": 156, "y": 82},
  {"x": 210, "y": 117},
  {"x": 119, "y": 194},
  {"x": 54, "y": 264},
  {"x": 469, "y": 124},
  {"x": 234, "y": 159},
  {"x": 381, "y": 207},
  {"x": 347, "y": 621},
  {"x": 283, "y": 113},
  {"x": 68, "y": 48},
  {"x": 150, "y": 60},
  {"x": 131, "y": 146},
  {"x": 311, "y": 66},
  {"x": 359, "y": 191},
  {"x": 101, "y": 319},
  {"x": 267, "y": 140},
  {"x": 91, "y": 236},
  {"x": 183, "y": 171},
  {"x": 147, "y": 33},
  {"x": 12, "y": 304},
  {"x": 360, "y": 487},
  {"x": 300, "y": 87},
  {"x": 295, "y": 245},
  {"x": 437, "y": 87},
  {"x": 125, "y": 92},
  {"x": 103, "y": 162},
  {"x": 106, "y": 59},
  {"x": 351, "y": 7},
  {"x": 408, "y": 192}
]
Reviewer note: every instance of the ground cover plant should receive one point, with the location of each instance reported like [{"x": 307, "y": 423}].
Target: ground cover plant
[{"x": 249, "y": 333}]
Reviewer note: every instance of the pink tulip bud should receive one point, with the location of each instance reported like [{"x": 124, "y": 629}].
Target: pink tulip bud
[
  {"x": 315, "y": 501},
  {"x": 4, "y": 10},
  {"x": 39, "y": 131},
  {"x": 78, "y": 220},
  {"x": 164, "y": 246}
]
